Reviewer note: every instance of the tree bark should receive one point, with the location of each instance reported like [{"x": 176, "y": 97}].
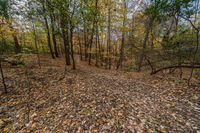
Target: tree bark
[
  {"x": 194, "y": 58},
  {"x": 90, "y": 44},
  {"x": 36, "y": 45},
  {"x": 3, "y": 79},
  {"x": 48, "y": 32},
  {"x": 17, "y": 46},
  {"x": 86, "y": 42},
  {"x": 66, "y": 43},
  {"x": 109, "y": 38},
  {"x": 54, "y": 35},
  {"x": 72, "y": 48},
  {"x": 96, "y": 33},
  {"x": 176, "y": 66},
  {"x": 96, "y": 45},
  {"x": 121, "y": 58},
  {"x": 80, "y": 46},
  {"x": 148, "y": 29}
]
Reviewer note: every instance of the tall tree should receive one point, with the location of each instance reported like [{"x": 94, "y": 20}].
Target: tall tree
[
  {"x": 109, "y": 36},
  {"x": 121, "y": 58},
  {"x": 47, "y": 28}
]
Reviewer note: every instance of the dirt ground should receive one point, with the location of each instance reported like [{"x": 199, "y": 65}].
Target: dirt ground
[{"x": 92, "y": 99}]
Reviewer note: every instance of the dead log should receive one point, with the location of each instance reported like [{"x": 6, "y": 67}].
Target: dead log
[{"x": 176, "y": 66}]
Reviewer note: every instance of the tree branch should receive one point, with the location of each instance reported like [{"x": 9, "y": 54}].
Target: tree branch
[{"x": 175, "y": 66}]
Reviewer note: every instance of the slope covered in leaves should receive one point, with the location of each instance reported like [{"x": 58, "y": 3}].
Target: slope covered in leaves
[{"x": 94, "y": 100}]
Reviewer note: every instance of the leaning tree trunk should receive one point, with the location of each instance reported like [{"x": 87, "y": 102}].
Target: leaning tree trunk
[{"x": 177, "y": 66}]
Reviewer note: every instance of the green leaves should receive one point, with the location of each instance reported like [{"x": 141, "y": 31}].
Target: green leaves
[
  {"x": 162, "y": 9},
  {"x": 4, "y": 8}
]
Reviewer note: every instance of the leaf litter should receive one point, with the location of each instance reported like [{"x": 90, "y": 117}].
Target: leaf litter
[{"x": 93, "y": 100}]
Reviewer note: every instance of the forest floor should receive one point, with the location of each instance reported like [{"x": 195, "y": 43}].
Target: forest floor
[{"x": 91, "y": 99}]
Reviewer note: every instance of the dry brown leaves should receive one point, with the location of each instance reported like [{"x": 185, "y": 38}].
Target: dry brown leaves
[{"x": 94, "y": 100}]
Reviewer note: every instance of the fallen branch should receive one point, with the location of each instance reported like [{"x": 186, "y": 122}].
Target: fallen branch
[{"x": 175, "y": 66}]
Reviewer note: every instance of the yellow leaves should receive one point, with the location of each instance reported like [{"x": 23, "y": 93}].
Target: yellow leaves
[
  {"x": 125, "y": 29},
  {"x": 33, "y": 115},
  {"x": 6, "y": 127},
  {"x": 103, "y": 35},
  {"x": 33, "y": 126},
  {"x": 44, "y": 130},
  {"x": 86, "y": 112},
  {"x": 94, "y": 131},
  {"x": 174, "y": 115},
  {"x": 6, "y": 130},
  {"x": 11, "y": 104},
  {"x": 120, "y": 114},
  {"x": 1, "y": 121},
  {"x": 157, "y": 43},
  {"x": 48, "y": 113}
]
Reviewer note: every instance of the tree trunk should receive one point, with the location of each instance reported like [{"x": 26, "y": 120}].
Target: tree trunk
[
  {"x": 54, "y": 35},
  {"x": 17, "y": 47},
  {"x": 86, "y": 43},
  {"x": 80, "y": 46},
  {"x": 66, "y": 44},
  {"x": 93, "y": 30},
  {"x": 72, "y": 48},
  {"x": 36, "y": 45},
  {"x": 109, "y": 39},
  {"x": 99, "y": 50},
  {"x": 90, "y": 44},
  {"x": 148, "y": 29},
  {"x": 176, "y": 66},
  {"x": 197, "y": 42},
  {"x": 3, "y": 79},
  {"x": 121, "y": 58},
  {"x": 194, "y": 57},
  {"x": 48, "y": 32},
  {"x": 97, "y": 34},
  {"x": 96, "y": 45}
]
